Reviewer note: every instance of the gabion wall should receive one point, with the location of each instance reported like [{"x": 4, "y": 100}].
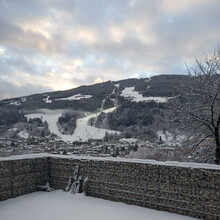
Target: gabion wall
[
  {"x": 19, "y": 177},
  {"x": 188, "y": 191}
]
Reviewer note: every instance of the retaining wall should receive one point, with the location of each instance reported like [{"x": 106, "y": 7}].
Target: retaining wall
[
  {"x": 19, "y": 177},
  {"x": 192, "y": 191}
]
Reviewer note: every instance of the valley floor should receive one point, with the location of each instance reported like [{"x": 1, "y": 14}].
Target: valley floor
[{"x": 59, "y": 205}]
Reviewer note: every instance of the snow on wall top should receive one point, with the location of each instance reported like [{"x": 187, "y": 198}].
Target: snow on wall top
[
  {"x": 152, "y": 162},
  {"x": 135, "y": 96}
]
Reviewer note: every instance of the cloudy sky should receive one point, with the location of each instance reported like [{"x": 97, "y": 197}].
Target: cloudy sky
[{"x": 60, "y": 44}]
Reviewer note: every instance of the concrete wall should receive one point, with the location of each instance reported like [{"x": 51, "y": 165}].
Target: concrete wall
[{"x": 185, "y": 190}]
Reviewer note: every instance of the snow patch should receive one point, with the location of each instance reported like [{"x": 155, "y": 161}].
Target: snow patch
[
  {"x": 76, "y": 97},
  {"x": 165, "y": 136},
  {"x": 13, "y": 129},
  {"x": 128, "y": 140},
  {"x": 181, "y": 138},
  {"x": 47, "y": 99},
  {"x": 170, "y": 139},
  {"x": 148, "y": 80},
  {"x": 23, "y": 134},
  {"x": 134, "y": 96},
  {"x": 23, "y": 99},
  {"x": 15, "y": 103}
]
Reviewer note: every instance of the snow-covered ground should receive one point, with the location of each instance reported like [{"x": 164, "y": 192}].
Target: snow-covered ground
[
  {"x": 83, "y": 130},
  {"x": 13, "y": 129},
  {"x": 59, "y": 205},
  {"x": 76, "y": 97},
  {"x": 135, "y": 96}
]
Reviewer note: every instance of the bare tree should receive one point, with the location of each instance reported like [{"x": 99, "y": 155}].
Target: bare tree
[{"x": 198, "y": 106}]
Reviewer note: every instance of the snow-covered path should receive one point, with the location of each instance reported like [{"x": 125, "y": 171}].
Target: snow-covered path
[
  {"x": 59, "y": 205},
  {"x": 83, "y": 131}
]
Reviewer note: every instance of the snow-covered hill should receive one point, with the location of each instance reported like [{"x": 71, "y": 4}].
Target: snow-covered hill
[
  {"x": 83, "y": 131},
  {"x": 133, "y": 108}
]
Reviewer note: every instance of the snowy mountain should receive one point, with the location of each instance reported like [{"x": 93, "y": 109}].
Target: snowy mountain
[{"x": 130, "y": 108}]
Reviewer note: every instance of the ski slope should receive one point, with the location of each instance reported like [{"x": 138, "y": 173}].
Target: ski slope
[{"x": 83, "y": 131}]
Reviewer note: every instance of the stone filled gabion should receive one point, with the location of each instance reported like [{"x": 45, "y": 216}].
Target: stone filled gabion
[{"x": 184, "y": 190}]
